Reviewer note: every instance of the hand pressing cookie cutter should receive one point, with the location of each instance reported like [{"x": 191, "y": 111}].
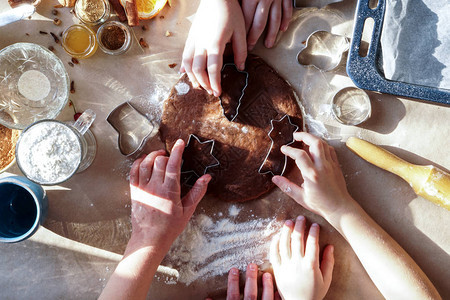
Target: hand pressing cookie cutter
[
  {"x": 232, "y": 117},
  {"x": 191, "y": 168},
  {"x": 133, "y": 128},
  {"x": 323, "y": 50},
  {"x": 285, "y": 120}
]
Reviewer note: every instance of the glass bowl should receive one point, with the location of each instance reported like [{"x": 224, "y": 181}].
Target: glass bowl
[{"x": 34, "y": 85}]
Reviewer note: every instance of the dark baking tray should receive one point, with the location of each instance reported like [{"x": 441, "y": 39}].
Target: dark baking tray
[{"x": 366, "y": 71}]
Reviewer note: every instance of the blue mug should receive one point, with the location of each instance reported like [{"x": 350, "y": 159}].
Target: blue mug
[{"x": 23, "y": 207}]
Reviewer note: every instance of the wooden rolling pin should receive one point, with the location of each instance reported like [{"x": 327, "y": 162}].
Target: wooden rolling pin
[{"x": 428, "y": 182}]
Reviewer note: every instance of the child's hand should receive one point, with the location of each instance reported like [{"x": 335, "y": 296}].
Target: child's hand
[
  {"x": 275, "y": 14},
  {"x": 158, "y": 213},
  {"x": 295, "y": 261},
  {"x": 251, "y": 285},
  {"x": 324, "y": 190},
  {"x": 216, "y": 23}
]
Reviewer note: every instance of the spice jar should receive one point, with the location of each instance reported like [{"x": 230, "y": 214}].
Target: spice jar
[
  {"x": 79, "y": 41},
  {"x": 114, "y": 37},
  {"x": 92, "y": 12}
]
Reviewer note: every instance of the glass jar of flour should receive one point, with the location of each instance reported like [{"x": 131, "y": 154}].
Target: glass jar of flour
[{"x": 50, "y": 152}]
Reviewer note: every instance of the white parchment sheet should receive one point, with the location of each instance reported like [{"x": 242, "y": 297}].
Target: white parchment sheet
[{"x": 415, "y": 42}]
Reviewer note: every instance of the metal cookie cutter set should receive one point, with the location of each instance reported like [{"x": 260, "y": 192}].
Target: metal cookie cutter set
[
  {"x": 134, "y": 128},
  {"x": 276, "y": 134}
]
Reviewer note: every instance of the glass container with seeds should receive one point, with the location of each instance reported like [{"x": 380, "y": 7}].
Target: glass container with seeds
[
  {"x": 114, "y": 37},
  {"x": 79, "y": 41},
  {"x": 92, "y": 12}
]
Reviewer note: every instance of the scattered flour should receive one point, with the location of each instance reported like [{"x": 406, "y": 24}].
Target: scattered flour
[
  {"x": 49, "y": 152},
  {"x": 182, "y": 88},
  {"x": 316, "y": 127},
  {"x": 233, "y": 211},
  {"x": 209, "y": 248}
]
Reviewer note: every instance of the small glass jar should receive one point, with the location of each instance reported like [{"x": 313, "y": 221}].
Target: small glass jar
[
  {"x": 114, "y": 38},
  {"x": 351, "y": 106},
  {"x": 92, "y": 12},
  {"x": 79, "y": 41}
]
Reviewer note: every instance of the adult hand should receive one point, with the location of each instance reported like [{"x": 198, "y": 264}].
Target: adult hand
[
  {"x": 158, "y": 213},
  {"x": 275, "y": 14},
  {"x": 251, "y": 285},
  {"x": 294, "y": 255},
  {"x": 216, "y": 23},
  {"x": 324, "y": 190}
]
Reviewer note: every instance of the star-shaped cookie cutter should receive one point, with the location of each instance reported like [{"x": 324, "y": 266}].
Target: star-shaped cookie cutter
[
  {"x": 233, "y": 117},
  {"x": 285, "y": 120},
  {"x": 203, "y": 145}
]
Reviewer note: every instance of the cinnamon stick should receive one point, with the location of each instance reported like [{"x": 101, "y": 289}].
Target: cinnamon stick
[
  {"x": 118, "y": 8},
  {"x": 132, "y": 12}
]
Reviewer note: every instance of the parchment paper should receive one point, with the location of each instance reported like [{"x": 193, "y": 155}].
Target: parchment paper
[{"x": 415, "y": 42}]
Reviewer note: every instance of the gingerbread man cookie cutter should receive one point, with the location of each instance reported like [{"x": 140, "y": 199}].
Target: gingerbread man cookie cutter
[
  {"x": 233, "y": 115},
  {"x": 273, "y": 134}
]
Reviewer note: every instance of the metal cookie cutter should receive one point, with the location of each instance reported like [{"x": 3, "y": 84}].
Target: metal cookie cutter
[
  {"x": 323, "y": 50},
  {"x": 133, "y": 127},
  {"x": 231, "y": 110},
  {"x": 281, "y": 129},
  {"x": 195, "y": 163}
]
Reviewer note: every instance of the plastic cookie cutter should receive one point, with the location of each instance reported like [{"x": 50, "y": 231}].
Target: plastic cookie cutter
[
  {"x": 232, "y": 90},
  {"x": 323, "y": 50},
  {"x": 280, "y": 134},
  {"x": 133, "y": 127},
  {"x": 198, "y": 156}
]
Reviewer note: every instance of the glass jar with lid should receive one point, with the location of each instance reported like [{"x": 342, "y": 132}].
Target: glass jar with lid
[{"x": 92, "y": 12}]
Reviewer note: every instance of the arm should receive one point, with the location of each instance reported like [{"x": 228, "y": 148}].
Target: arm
[
  {"x": 158, "y": 216},
  {"x": 324, "y": 192}
]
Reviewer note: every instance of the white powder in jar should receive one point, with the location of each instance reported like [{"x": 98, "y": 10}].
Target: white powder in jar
[
  {"x": 49, "y": 152},
  {"x": 33, "y": 85}
]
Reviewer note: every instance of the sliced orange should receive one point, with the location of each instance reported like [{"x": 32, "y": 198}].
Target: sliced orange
[{"x": 147, "y": 9}]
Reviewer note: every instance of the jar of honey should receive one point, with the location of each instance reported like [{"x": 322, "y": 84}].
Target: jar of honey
[{"x": 79, "y": 41}]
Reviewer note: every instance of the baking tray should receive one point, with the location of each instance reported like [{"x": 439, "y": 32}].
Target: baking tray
[{"x": 365, "y": 71}]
